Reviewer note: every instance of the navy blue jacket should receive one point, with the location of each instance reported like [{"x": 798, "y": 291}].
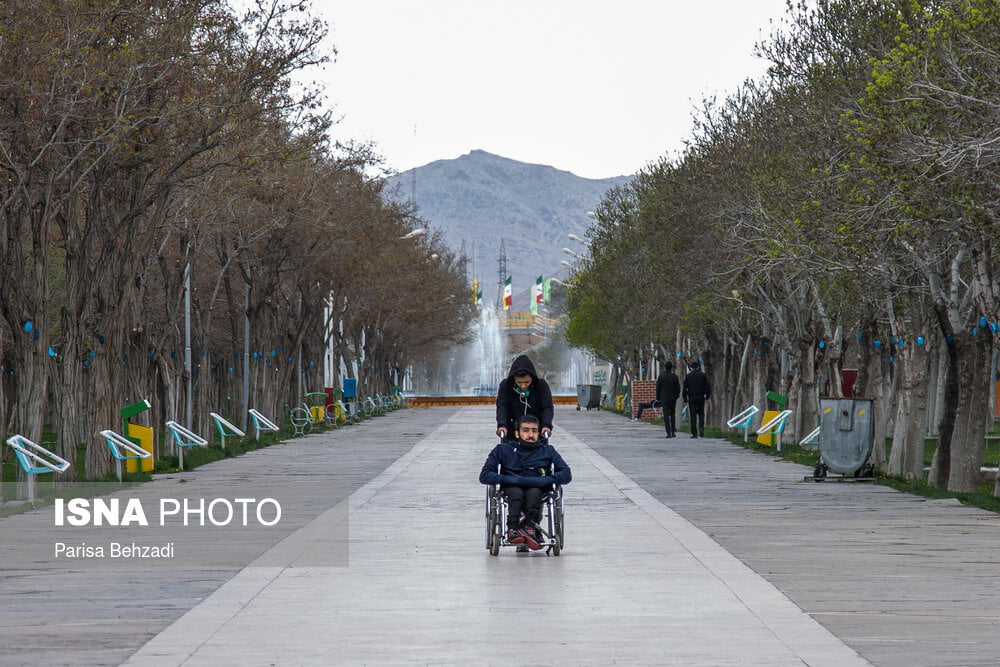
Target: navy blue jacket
[{"x": 510, "y": 464}]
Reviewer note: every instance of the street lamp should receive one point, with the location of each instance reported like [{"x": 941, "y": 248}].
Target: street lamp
[
  {"x": 413, "y": 234},
  {"x": 568, "y": 265},
  {"x": 574, "y": 237},
  {"x": 571, "y": 253}
]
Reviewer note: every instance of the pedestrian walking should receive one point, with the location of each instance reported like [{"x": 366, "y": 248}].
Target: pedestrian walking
[
  {"x": 668, "y": 390},
  {"x": 697, "y": 392}
]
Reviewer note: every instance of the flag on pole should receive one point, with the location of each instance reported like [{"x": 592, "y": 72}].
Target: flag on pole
[
  {"x": 536, "y": 296},
  {"x": 508, "y": 295}
]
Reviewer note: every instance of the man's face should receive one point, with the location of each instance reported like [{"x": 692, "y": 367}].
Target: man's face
[
  {"x": 523, "y": 381},
  {"x": 528, "y": 432}
]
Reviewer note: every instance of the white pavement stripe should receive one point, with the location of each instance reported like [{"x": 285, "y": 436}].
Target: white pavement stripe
[
  {"x": 182, "y": 639},
  {"x": 636, "y": 584}
]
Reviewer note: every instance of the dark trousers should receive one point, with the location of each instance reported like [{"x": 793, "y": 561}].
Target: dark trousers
[
  {"x": 670, "y": 417},
  {"x": 526, "y": 500},
  {"x": 696, "y": 413}
]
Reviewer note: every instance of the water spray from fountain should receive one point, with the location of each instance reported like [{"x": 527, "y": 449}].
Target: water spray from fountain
[{"x": 488, "y": 353}]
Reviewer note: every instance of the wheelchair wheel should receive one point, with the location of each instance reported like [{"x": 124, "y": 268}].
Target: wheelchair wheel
[
  {"x": 489, "y": 517},
  {"x": 554, "y": 519},
  {"x": 495, "y": 545},
  {"x": 492, "y": 520},
  {"x": 558, "y": 523}
]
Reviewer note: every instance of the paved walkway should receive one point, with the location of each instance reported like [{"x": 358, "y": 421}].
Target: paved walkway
[{"x": 680, "y": 551}]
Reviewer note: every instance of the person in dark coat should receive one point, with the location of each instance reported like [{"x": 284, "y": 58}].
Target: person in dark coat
[
  {"x": 697, "y": 392},
  {"x": 522, "y": 392},
  {"x": 668, "y": 390},
  {"x": 525, "y": 468}
]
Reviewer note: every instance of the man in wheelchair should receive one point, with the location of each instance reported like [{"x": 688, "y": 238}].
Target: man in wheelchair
[{"x": 526, "y": 468}]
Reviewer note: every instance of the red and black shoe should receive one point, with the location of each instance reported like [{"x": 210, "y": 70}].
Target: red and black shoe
[
  {"x": 515, "y": 536},
  {"x": 531, "y": 537}
]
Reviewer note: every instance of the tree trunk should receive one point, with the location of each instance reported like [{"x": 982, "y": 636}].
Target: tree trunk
[
  {"x": 910, "y": 416},
  {"x": 941, "y": 463},
  {"x": 871, "y": 384},
  {"x": 972, "y": 415}
]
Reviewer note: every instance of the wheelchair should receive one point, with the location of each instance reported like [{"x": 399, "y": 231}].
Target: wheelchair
[{"x": 552, "y": 522}]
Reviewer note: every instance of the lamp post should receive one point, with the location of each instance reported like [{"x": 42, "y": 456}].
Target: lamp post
[{"x": 412, "y": 234}]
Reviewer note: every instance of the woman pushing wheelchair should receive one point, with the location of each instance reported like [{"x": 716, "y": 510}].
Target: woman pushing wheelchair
[{"x": 522, "y": 392}]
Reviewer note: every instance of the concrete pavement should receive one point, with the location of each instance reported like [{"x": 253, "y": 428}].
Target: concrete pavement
[{"x": 678, "y": 551}]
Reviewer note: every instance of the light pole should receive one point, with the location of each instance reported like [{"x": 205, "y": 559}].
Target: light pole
[{"x": 413, "y": 234}]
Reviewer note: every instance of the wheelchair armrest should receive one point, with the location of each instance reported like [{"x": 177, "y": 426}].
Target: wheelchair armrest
[{"x": 555, "y": 492}]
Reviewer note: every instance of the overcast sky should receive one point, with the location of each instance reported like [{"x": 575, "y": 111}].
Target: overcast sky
[{"x": 597, "y": 88}]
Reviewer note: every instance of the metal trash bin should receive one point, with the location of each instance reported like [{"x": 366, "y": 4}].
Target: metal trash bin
[
  {"x": 845, "y": 436},
  {"x": 588, "y": 396}
]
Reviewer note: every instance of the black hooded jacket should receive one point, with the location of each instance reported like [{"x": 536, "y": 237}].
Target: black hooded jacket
[{"x": 511, "y": 404}]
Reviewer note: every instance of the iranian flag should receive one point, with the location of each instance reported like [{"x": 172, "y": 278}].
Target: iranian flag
[
  {"x": 536, "y": 295},
  {"x": 508, "y": 295}
]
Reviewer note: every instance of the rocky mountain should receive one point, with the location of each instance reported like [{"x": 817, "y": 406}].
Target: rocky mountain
[{"x": 483, "y": 199}]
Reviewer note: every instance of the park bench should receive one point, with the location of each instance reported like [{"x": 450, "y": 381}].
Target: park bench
[
  {"x": 35, "y": 460},
  {"x": 226, "y": 428},
  {"x": 774, "y": 427},
  {"x": 743, "y": 420},
  {"x": 123, "y": 449},
  {"x": 262, "y": 423},
  {"x": 184, "y": 437}
]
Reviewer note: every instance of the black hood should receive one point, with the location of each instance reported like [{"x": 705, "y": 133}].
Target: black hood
[{"x": 521, "y": 364}]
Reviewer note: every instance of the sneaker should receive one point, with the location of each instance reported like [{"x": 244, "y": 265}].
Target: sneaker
[
  {"x": 514, "y": 536},
  {"x": 636, "y": 420},
  {"x": 531, "y": 535}
]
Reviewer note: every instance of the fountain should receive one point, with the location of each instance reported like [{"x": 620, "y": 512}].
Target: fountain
[
  {"x": 487, "y": 354},
  {"x": 472, "y": 373}
]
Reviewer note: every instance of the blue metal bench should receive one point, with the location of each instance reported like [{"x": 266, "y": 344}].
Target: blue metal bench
[
  {"x": 123, "y": 449},
  {"x": 35, "y": 460},
  {"x": 184, "y": 437}
]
